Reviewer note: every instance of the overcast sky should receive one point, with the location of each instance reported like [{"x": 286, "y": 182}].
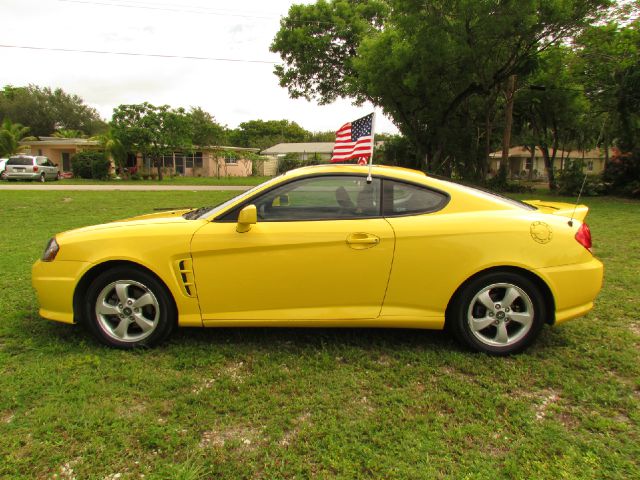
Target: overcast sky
[{"x": 231, "y": 91}]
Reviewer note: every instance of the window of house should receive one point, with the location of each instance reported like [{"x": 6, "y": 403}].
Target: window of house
[
  {"x": 167, "y": 161},
  {"x": 528, "y": 163},
  {"x": 197, "y": 160},
  {"x": 590, "y": 165},
  {"x": 230, "y": 159},
  {"x": 179, "y": 159}
]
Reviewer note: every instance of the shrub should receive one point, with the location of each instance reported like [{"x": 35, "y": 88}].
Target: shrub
[
  {"x": 622, "y": 174},
  {"x": 571, "y": 178},
  {"x": 90, "y": 165},
  {"x": 100, "y": 168},
  {"x": 292, "y": 160},
  {"x": 500, "y": 183}
]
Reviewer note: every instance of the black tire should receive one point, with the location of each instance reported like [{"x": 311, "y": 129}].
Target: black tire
[
  {"x": 43, "y": 178},
  {"x": 508, "y": 326},
  {"x": 117, "y": 291}
]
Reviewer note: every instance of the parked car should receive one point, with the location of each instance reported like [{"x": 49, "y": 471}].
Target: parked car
[
  {"x": 31, "y": 167},
  {"x": 322, "y": 246},
  {"x": 3, "y": 162}
]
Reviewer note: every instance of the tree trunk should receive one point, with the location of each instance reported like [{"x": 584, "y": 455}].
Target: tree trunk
[
  {"x": 533, "y": 157},
  {"x": 488, "y": 127},
  {"x": 159, "y": 166},
  {"x": 548, "y": 165},
  {"x": 508, "y": 119}
]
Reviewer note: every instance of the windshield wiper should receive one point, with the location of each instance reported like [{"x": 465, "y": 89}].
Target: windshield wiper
[{"x": 193, "y": 214}]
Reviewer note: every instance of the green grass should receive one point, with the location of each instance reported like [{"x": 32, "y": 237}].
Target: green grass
[
  {"x": 326, "y": 403},
  {"x": 171, "y": 181}
]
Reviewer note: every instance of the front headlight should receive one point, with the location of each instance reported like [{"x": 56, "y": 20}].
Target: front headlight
[{"x": 51, "y": 251}]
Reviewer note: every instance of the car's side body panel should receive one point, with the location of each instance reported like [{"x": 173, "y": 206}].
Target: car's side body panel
[
  {"x": 158, "y": 246},
  {"x": 293, "y": 271}
]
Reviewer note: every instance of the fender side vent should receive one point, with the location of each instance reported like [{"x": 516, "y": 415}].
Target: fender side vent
[{"x": 184, "y": 272}]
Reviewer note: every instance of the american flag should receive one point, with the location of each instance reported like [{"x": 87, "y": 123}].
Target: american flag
[{"x": 354, "y": 140}]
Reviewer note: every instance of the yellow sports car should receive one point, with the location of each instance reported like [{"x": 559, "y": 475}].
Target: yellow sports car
[{"x": 322, "y": 246}]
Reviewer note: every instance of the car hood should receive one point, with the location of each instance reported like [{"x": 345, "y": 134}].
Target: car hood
[
  {"x": 169, "y": 217},
  {"x": 569, "y": 210}
]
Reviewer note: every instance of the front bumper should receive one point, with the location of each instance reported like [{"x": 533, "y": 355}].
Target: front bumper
[
  {"x": 574, "y": 287},
  {"x": 55, "y": 283}
]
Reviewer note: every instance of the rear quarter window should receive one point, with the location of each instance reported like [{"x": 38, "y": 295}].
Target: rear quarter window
[{"x": 401, "y": 198}]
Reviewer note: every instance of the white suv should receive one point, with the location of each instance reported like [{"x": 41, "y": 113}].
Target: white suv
[{"x": 30, "y": 167}]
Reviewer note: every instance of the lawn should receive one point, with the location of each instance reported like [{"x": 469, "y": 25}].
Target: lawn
[{"x": 327, "y": 403}]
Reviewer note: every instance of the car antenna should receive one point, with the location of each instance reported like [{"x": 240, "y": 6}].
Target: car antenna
[{"x": 584, "y": 180}]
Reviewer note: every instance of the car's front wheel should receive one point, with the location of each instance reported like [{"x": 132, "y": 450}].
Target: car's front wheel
[
  {"x": 499, "y": 313},
  {"x": 128, "y": 308}
]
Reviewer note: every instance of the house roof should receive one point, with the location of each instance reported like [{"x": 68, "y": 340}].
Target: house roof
[
  {"x": 522, "y": 152},
  {"x": 77, "y": 142},
  {"x": 222, "y": 147},
  {"x": 56, "y": 141},
  {"x": 309, "y": 147}
]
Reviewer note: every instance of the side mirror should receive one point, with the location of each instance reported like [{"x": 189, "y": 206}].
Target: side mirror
[{"x": 248, "y": 216}]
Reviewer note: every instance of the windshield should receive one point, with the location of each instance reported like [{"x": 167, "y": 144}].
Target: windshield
[{"x": 204, "y": 212}]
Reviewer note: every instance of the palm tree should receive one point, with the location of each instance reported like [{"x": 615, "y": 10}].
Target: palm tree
[
  {"x": 10, "y": 136},
  {"x": 113, "y": 147},
  {"x": 64, "y": 133}
]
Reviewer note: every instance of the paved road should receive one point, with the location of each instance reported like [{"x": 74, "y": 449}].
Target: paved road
[{"x": 131, "y": 188}]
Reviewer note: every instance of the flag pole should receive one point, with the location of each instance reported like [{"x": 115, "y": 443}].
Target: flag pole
[{"x": 373, "y": 129}]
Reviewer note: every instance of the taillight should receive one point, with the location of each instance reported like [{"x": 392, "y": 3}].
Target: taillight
[
  {"x": 35, "y": 168},
  {"x": 583, "y": 236}
]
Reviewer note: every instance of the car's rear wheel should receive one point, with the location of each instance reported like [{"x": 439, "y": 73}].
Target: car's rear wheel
[
  {"x": 500, "y": 313},
  {"x": 129, "y": 308},
  {"x": 43, "y": 178}
]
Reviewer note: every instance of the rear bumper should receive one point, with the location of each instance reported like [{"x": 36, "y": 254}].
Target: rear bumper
[
  {"x": 574, "y": 287},
  {"x": 22, "y": 176},
  {"x": 55, "y": 283}
]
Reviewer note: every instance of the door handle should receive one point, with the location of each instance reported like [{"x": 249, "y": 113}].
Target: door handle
[{"x": 362, "y": 240}]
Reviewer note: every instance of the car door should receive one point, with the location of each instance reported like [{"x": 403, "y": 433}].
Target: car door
[{"x": 319, "y": 251}]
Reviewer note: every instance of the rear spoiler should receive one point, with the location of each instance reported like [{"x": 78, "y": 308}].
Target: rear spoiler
[{"x": 571, "y": 211}]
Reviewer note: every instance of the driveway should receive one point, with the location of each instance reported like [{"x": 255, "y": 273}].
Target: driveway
[{"x": 129, "y": 188}]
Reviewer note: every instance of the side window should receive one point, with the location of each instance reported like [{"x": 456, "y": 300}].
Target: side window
[
  {"x": 332, "y": 197},
  {"x": 406, "y": 199}
]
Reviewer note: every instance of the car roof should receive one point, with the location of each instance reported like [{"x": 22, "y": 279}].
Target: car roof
[{"x": 381, "y": 170}]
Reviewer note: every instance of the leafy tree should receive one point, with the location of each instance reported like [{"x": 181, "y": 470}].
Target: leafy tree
[
  {"x": 554, "y": 111},
  {"x": 10, "y": 136},
  {"x": 206, "y": 131},
  {"x": 151, "y": 130},
  {"x": 266, "y": 133},
  {"x": 420, "y": 61},
  {"x": 45, "y": 110},
  {"x": 608, "y": 65}
]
